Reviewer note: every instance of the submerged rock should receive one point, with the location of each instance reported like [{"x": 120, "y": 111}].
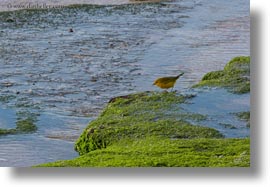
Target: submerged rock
[
  {"x": 26, "y": 126},
  {"x": 22, "y": 126},
  {"x": 244, "y": 116}
]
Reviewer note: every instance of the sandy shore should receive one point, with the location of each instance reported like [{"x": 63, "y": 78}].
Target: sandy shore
[{"x": 8, "y": 5}]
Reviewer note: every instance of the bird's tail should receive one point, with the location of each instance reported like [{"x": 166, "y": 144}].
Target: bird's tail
[{"x": 179, "y": 75}]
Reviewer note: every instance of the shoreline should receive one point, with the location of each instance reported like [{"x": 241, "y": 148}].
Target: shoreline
[{"x": 151, "y": 129}]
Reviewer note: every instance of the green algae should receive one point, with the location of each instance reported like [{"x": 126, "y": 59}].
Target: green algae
[
  {"x": 7, "y": 131},
  {"x": 25, "y": 123},
  {"x": 164, "y": 152},
  {"x": 235, "y": 76},
  {"x": 26, "y": 126},
  {"x": 22, "y": 126},
  {"x": 140, "y": 115},
  {"x": 244, "y": 116},
  {"x": 25, "y": 120},
  {"x": 97, "y": 138},
  {"x": 150, "y": 129}
]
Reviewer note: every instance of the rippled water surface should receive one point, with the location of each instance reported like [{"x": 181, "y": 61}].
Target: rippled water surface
[
  {"x": 63, "y": 79},
  {"x": 220, "y": 108}
]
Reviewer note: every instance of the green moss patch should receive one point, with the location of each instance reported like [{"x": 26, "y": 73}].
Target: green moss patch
[
  {"x": 142, "y": 115},
  {"x": 7, "y": 131},
  {"x": 150, "y": 129},
  {"x": 235, "y": 76},
  {"x": 26, "y": 126},
  {"x": 163, "y": 152},
  {"x": 22, "y": 126}
]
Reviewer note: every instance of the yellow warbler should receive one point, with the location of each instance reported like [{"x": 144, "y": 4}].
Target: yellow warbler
[{"x": 167, "y": 82}]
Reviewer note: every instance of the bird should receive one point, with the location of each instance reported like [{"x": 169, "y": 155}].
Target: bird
[{"x": 167, "y": 82}]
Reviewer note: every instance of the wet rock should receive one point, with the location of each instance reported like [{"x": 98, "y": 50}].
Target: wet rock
[
  {"x": 10, "y": 20},
  {"x": 134, "y": 69},
  {"x": 7, "y": 84},
  {"x": 112, "y": 45},
  {"x": 227, "y": 126},
  {"x": 93, "y": 79}
]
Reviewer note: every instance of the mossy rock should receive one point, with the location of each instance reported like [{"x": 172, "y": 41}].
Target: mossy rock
[
  {"x": 244, "y": 116},
  {"x": 140, "y": 115},
  {"x": 22, "y": 126},
  {"x": 235, "y": 76},
  {"x": 213, "y": 75},
  {"x": 164, "y": 152},
  {"x": 238, "y": 64},
  {"x": 7, "y": 131},
  {"x": 26, "y": 126},
  {"x": 101, "y": 137}
]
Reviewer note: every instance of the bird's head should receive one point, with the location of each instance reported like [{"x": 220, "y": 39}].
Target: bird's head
[{"x": 154, "y": 83}]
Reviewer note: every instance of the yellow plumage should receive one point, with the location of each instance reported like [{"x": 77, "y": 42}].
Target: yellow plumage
[{"x": 167, "y": 82}]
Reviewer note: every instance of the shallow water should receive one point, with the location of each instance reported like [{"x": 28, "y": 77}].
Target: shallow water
[
  {"x": 220, "y": 108},
  {"x": 64, "y": 79}
]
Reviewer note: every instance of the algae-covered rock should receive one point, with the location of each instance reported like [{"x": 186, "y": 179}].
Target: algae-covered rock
[
  {"x": 141, "y": 115},
  {"x": 26, "y": 126},
  {"x": 164, "y": 152},
  {"x": 235, "y": 76},
  {"x": 7, "y": 131},
  {"x": 22, "y": 126},
  {"x": 150, "y": 129},
  {"x": 25, "y": 120}
]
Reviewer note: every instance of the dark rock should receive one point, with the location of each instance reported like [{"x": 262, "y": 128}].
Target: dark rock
[{"x": 10, "y": 20}]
